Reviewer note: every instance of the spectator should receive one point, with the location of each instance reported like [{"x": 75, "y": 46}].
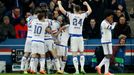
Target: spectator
[
  {"x": 27, "y": 14},
  {"x": 46, "y": 10},
  {"x": 53, "y": 4},
  {"x": 122, "y": 3},
  {"x": 21, "y": 29},
  {"x": 122, "y": 28},
  {"x": 124, "y": 11},
  {"x": 119, "y": 52},
  {"x": 14, "y": 15},
  {"x": 2, "y": 10},
  {"x": 6, "y": 29},
  {"x": 132, "y": 13},
  {"x": 117, "y": 15},
  {"x": 28, "y": 5},
  {"x": 110, "y": 4},
  {"x": 91, "y": 30},
  {"x": 97, "y": 10},
  {"x": 39, "y": 2}
]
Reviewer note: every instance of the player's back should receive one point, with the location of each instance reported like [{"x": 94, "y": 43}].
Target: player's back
[
  {"x": 76, "y": 22},
  {"x": 39, "y": 28}
]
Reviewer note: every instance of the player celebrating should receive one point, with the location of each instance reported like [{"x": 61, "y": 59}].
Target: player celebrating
[
  {"x": 75, "y": 30},
  {"x": 106, "y": 26},
  {"x": 50, "y": 38},
  {"x": 62, "y": 46},
  {"x": 39, "y": 28},
  {"x": 27, "y": 49}
]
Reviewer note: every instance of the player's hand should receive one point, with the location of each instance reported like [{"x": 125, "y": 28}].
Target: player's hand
[
  {"x": 114, "y": 23},
  {"x": 59, "y": 2},
  {"x": 62, "y": 28},
  {"x": 85, "y": 3}
]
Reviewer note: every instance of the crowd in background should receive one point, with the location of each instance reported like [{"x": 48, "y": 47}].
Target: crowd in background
[{"x": 13, "y": 14}]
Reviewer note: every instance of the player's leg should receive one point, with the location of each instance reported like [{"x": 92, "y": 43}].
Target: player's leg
[
  {"x": 27, "y": 52},
  {"x": 59, "y": 54},
  {"x": 57, "y": 62},
  {"x": 98, "y": 68},
  {"x": 106, "y": 59},
  {"x": 74, "y": 49},
  {"x": 82, "y": 57},
  {"x": 64, "y": 57},
  {"x": 42, "y": 51},
  {"x": 107, "y": 63},
  {"x": 52, "y": 49},
  {"x": 34, "y": 57},
  {"x": 42, "y": 64}
]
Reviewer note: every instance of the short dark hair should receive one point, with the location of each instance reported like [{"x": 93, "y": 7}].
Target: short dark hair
[
  {"x": 77, "y": 8},
  {"x": 108, "y": 13},
  {"x": 40, "y": 16}
]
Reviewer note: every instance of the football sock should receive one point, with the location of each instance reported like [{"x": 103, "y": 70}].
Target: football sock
[
  {"x": 82, "y": 62},
  {"x": 75, "y": 62},
  {"x": 57, "y": 64},
  {"x": 102, "y": 62},
  {"x": 42, "y": 63},
  {"x": 107, "y": 65},
  {"x": 23, "y": 61}
]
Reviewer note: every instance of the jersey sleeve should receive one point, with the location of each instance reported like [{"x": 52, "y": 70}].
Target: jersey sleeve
[
  {"x": 108, "y": 26},
  {"x": 85, "y": 14},
  {"x": 68, "y": 14},
  {"x": 55, "y": 27}
]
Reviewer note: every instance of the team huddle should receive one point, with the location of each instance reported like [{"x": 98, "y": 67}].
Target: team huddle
[{"x": 48, "y": 35}]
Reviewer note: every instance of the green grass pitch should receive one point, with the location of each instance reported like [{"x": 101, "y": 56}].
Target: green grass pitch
[{"x": 61, "y": 74}]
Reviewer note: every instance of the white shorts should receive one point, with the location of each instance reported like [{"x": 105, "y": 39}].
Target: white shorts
[
  {"x": 49, "y": 45},
  {"x": 107, "y": 48},
  {"x": 77, "y": 43},
  {"x": 28, "y": 43},
  {"x": 38, "y": 47},
  {"x": 62, "y": 50}
]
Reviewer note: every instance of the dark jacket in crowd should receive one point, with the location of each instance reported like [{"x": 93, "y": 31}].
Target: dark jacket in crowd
[
  {"x": 122, "y": 29},
  {"x": 6, "y": 31}
]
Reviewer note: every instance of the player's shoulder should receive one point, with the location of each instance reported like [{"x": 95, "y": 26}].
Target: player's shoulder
[
  {"x": 104, "y": 22},
  {"x": 29, "y": 18}
]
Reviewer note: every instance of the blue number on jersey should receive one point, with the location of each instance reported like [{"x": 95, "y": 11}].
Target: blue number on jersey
[
  {"x": 37, "y": 29},
  {"x": 76, "y": 22}
]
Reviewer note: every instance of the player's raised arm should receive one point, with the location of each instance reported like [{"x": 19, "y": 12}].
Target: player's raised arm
[
  {"x": 89, "y": 10},
  {"x": 61, "y": 8}
]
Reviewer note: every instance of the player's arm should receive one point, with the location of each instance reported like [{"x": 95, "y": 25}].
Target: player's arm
[
  {"x": 111, "y": 26},
  {"x": 58, "y": 32},
  {"x": 89, "y": 10},
  {"x": 61, "y": 8}
]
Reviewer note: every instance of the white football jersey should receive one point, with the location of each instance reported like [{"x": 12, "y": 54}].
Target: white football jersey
[
  {"x": 64, "y": 36},
  {"x": 29, "y": 24},
  {"x": 48, "y": 35},
  {"x": 55, "y": 26},
  {"x": 39, "y": 28},
  {"x": 106, "y": 33},
  {"x": 76, "y": 22}
]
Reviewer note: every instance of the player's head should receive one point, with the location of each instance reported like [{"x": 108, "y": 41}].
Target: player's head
[
  {"x": 60, "y": 19},
  {"x": 108, "y": 15},
  {"x": 76, "y": 8},
  {"x": 40, "y": 16}
]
